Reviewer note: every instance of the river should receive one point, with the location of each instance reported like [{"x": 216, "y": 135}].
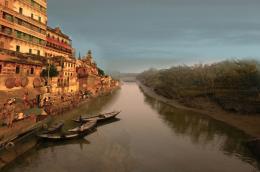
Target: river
[{"x": 149, "y": 136}]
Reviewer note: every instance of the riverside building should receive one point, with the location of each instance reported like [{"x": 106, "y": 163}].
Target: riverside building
[
  {"x": 23, "y": 25},
  {"x": 59, "y": 50}
]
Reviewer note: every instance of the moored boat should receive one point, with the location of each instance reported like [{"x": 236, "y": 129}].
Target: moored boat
[
  {"x": 79, "y": 132},
  {"x": 98, "y": 118},
  {"x": 54, "y": 128},
  {"x": 87, "y": 126},
  {"x": 53, "y": 137}
]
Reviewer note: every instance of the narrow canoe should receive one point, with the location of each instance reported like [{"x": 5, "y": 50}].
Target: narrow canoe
[
  {"x": 99, "y": 118},
  {"x": 54, "y": 128},
  {"x": 52, "y": 137},
  {"x": 79, "y": 132},
  {"x": 87, "y": 126}
]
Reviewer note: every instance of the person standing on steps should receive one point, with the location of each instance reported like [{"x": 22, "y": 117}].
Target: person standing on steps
[{"x": 10, "y": 112}]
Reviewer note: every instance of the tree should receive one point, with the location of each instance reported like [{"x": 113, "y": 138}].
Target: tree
[
  {"x": 52, "y": 73},
  {"x": 101, "y": 72}
]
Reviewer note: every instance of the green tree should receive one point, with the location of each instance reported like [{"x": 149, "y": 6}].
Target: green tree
[
  {"x": 53, "y": 72},
  {"x": 101, "y": 72}
]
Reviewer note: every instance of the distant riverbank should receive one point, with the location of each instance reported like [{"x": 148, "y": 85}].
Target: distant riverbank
[{"x": 247, "y": 123}]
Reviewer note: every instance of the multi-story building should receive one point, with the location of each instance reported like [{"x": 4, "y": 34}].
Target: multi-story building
[
  {"x": 59, "y": 50},
  {"x": 58, "y": 44},
  {"x": 28, "y": 45},
  {"x": 23, "y": 25},
  {"x": 88, "y": 76}
]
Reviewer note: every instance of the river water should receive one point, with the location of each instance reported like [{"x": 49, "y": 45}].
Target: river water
[{"x": 149, "y": 136}]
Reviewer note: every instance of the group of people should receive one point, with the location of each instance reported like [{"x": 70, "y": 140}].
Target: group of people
[{"x": 8, "y": 113}]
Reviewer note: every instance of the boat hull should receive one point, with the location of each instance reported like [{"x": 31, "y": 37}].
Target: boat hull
[{"x": 99, "y": 118}]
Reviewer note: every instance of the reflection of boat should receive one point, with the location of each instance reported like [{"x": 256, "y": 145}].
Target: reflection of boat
[
  {"x": 108, "y": 121},
  {"x": 80, "y": 141},
  {"x": 99, "y": 118},
  {"x": 79, "y": 132},
  {"x": 54, "y": 128}
]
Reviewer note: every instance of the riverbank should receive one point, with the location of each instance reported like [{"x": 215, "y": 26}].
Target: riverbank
[
  {"x": 58, "y": 105},
  {"x": 128, "y": 145},
  {"x": 247, "y": 123},
  {"x": 29, "y": 141}
]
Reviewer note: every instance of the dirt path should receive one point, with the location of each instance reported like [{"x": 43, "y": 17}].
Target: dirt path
[{"x": 250, "y": 124}]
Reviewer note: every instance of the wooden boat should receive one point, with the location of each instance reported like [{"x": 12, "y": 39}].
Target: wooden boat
[
  {"x": 78, "y": 133},
  {"x": 99, "y": 118},
  {"x": 53, "y": 137},
  {"x": 54, "y": 128},
  {"x": 87, "y": 126}
]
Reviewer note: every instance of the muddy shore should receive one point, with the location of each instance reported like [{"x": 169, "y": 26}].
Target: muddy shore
[{"x": 247, "y": 123}]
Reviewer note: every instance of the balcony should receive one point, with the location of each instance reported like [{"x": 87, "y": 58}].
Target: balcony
[
  {"x": 6, "y": 31},
  {"x": 56, "y": 42},
  {"x": 24, "y": 18},
  {"x": 36, "y": 5}
]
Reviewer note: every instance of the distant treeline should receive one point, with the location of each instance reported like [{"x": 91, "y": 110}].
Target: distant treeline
[{"x": 233, "y": 84}]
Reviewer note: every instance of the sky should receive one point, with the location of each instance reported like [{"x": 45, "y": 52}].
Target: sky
[{"x": 134, "y": 35}]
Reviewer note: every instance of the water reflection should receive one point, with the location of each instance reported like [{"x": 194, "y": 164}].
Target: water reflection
[
  {"x": 203, "y": 130},
  {"x": 81, "y": 143},
  {"x": 148, "y": 136}
]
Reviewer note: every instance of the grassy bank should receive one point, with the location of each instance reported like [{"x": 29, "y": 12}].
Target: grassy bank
[
  {"x": 232, "y": 85},
  {"x": 247, "y": 123},
  {"x": 227, "y": 91}
]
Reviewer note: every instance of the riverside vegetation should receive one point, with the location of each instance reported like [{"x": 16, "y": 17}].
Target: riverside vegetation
[{"x": 233, "y": 85}]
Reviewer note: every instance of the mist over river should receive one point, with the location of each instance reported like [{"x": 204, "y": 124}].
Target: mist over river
[{"x": 149, "y": 136}]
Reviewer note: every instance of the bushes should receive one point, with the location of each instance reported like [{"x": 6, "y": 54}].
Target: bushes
[
  {"x": 228, "y": 80},
  {"x": 101, "y": 72},
  {"x": 52, "y": 73}
]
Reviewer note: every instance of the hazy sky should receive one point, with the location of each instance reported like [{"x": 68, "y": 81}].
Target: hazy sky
[{"x": 132, "y": 35}]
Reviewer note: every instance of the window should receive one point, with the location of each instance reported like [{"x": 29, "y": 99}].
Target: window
[
  {"x": 2, "y": 44},
  {"x": 17, "y": 48},
  {"x": 21, "y": 10},
  {"x": 6, "y": 3},
  {"x": 40, "y": 19},
  {"x": 17, "y": 69},
  {"x": 30, "y": 51},
  {"x": 8, "y": 17},
  {"x": 18, "y": 34},
  {"x": 19, "y": 21},
  {"x": 32, "y": 15},
  {"x": 38, "y": 52},
  {"x": 32, "y": 71}
]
